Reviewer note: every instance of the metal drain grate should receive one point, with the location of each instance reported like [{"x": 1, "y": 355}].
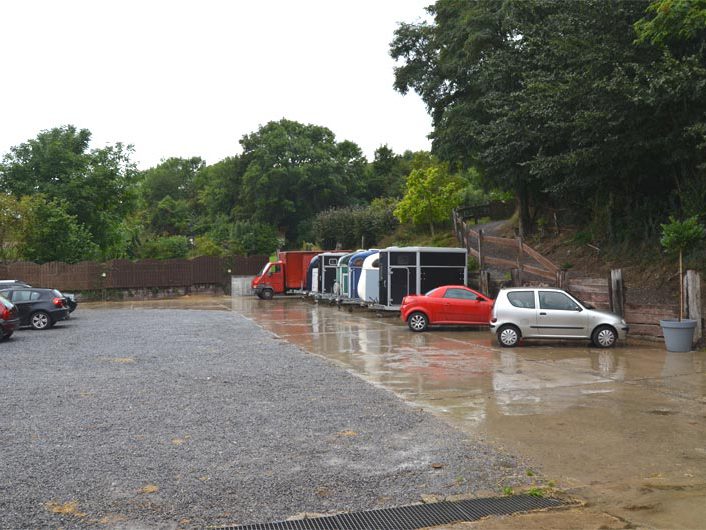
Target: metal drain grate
[{"x": 412, "y": 517}]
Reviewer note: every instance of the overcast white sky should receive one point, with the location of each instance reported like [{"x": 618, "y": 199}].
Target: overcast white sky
[{"x": 178, "y": 78}]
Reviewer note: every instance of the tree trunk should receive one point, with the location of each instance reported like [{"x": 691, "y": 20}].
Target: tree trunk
[
  {"x": 431, "y": 227},
  {"x": 523, "y": 211}
]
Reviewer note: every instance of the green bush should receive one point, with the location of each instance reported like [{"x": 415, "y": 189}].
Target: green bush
[
  {"x": 249, "y": 238},
  {"x": 355, "y": 226},
  {"x": 166, "y": 247}
]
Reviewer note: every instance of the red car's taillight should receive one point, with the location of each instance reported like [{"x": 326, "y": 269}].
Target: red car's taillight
[
  {"x": 5, "y": 314},
  {"x": 58, "y": 302}
]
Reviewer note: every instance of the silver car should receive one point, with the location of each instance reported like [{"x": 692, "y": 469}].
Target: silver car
[{"x": 546, "y": 313}]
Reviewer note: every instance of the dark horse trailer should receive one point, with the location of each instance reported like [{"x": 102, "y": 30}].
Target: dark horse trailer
[
  {"x": 328, "y": 261},
  {"x": 417, "y": 270}
]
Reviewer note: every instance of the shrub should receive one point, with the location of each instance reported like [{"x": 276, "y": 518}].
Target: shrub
[
  {"x": 166, "y": 247},
  {"x": 353, "y": 226}
]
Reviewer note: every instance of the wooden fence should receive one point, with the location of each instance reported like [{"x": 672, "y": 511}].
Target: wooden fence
[
  {"x": 505, "y": 252},
  {"x": 142, "y": 274}
]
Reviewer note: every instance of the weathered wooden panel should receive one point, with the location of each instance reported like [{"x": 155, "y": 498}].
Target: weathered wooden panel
[
  {"x": 645, "y": 330},
  {"x": 125, "y": 274}
]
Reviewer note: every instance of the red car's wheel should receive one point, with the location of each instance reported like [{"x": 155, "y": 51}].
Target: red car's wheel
[{"x": 418, "y": 321}]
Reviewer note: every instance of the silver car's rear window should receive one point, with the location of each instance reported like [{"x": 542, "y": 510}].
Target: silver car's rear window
[{"x": 523, "y": 299}]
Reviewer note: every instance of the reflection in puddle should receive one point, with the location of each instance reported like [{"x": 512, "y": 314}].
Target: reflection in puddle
[{"x": 460, "y": 373}]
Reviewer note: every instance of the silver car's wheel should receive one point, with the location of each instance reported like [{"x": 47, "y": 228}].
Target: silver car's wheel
[
  {"x": 40, "y": 320},
  {"x": 604, "y": 337},
  {"x": 418, "y": 321},
  {"x": 508, "y": 336}
]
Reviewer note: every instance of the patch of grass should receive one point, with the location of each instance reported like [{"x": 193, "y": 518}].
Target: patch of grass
[
  {"x": 507, "y": 490},
  {"x": 529, "y": 473},
  {"x": 536, "y": 491}
]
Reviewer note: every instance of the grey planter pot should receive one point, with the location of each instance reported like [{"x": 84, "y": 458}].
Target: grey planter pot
[{"x": 678, "y": 336}]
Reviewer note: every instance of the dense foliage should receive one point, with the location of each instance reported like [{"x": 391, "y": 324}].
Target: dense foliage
[
  {"x": 60, "y": 200},
  {"x": 591, "y": 110},
  {"x": 595, "y": 108},
  {"x": 355, "y": 226}
]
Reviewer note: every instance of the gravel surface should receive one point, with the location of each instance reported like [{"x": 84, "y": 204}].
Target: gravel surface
[{"x": 174, "y": 418}]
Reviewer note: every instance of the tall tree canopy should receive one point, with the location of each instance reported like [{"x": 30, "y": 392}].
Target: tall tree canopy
[
  {"x": 94, "y": 186},
  {"x": 294, "y": 171},
  {"x": 560, "y": 103}
]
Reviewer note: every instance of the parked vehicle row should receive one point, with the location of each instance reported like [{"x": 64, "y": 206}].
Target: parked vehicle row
[
  {"x": 516, "y": 314},
  {"x": 382, "y": 277},
  {"x": 22, "y": 305},
  {"x": 396, "y": 277}
]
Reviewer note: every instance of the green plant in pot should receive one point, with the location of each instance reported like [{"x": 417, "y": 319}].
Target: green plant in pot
[{"x": 678, "y": 238}]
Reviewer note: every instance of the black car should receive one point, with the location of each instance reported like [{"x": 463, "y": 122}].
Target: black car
[
  {"x": 39, "y": 308},
  {"x": 9, "y": 318},
  {"x": 69, "y": 299}
]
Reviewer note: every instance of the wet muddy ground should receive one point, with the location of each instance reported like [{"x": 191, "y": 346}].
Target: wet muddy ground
[{"x": 622, "y": 429}]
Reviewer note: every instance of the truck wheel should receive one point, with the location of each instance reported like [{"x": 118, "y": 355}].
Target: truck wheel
[{"x": 267, "y": 294}]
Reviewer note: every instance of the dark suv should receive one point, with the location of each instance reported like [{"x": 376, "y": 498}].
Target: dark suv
[{"x": 39, "y": 308}]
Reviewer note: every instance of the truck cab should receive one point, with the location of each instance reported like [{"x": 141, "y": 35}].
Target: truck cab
[{"x": 270, "y": 281}]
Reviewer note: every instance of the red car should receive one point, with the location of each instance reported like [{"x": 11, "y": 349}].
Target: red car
[{"x": 449, "y": 304}]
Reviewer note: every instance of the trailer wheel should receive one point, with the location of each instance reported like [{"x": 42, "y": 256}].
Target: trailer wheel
[{"x": 267, "y": 294}]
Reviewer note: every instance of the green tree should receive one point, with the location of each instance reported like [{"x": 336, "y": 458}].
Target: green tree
[
  {"x": 170, "y": 217},
  {"x": 431, "y": 193},
  {"x": 250, "y": 237},
  {"x": 50, "y": 233},
  {"x": 10, "y": 224},
  {"x": 679, "y": 237},
  {"x": 219, "y": 186},
  {"x": 354, "y": 226},
  {"x": 173, "y": 177},
  {"x": 387, "y": 172},
  {"x": 677, "y": 24},
  {"x": 556, "y": 102},
  {"x": 164, "y": 247},
  {"x": 294, "y": 171},
  {"x": 95, "y": 186}
]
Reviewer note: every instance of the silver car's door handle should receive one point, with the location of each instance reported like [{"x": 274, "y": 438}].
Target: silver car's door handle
[{"x": 542, "y": 314}]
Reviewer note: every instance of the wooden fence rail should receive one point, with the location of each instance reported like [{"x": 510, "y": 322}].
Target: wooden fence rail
[
  {"x": 125, "y": 274},
  {"x": 516, "y": 248}
]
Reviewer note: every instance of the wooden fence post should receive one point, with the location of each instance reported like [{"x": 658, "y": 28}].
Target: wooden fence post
[
  {"x": 516, "y": 276},
  {"x": 485, "y": 282},
  {"x": 692, "y": 288},
  {"x": 466, "y": 238},
  {"x": 481, "y": 264},
  {"x": 616, "y": 291},
  {"x": 561, "y": 278},
  {"x": 520, "y": 251}
]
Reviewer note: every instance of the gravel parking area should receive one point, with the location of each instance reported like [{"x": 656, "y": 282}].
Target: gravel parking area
[{"x": 181, "y": 418}]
